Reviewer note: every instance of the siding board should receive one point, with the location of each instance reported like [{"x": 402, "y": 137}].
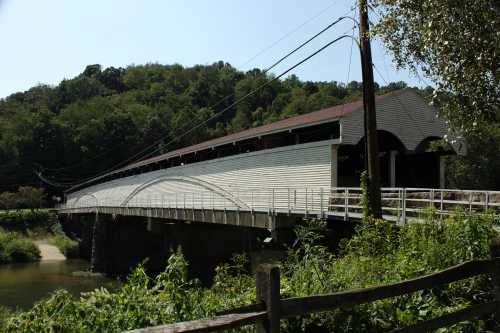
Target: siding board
[{"x": 239, "y": 181}]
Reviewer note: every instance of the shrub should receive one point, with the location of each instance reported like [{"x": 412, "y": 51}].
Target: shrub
[
  {"x": 379, "y": 253},
  {"x": 66, "y": 245},
  {"x": 25, "y": 221},
  {"x": 16, "y": 248}
]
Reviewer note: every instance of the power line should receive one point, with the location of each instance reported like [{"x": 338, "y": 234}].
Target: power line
[
  {"x": 245, "y": 96},
  {"x": 348, "y": 70},
  {"x": 226, "y": 97},
  {"x": 271, "y": 67},
  {"x": 287, "y": 35},
  {"x": 255, "y": 90},
  {"x": 210, "y": 107},
  {"x": 266, "y": 70},
  {"x": 308, "y": 41},
  {"x": 137, "y": 156}
]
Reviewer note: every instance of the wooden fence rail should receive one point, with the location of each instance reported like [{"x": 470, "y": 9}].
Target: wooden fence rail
[{"x": 270, "y": 308}]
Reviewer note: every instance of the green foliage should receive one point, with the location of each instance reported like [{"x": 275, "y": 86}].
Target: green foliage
[
  {"x": 8, "y": 200},
  {"x": 365, "y": 194},
  {"x": 101, "y": 117},
  {"x": 25, "y": 197},
  {"x": 474, "y": 171},
  {"x": 27, "y": 221},
  {"x": 30, "y": 197},
  {"x": 5, "y": 313},
  {"x": 455, "y": 44},
  {"x": 16, "y": 248},
  {"x": 378, "y": 253},
  {"x": 67, "y": 246}
]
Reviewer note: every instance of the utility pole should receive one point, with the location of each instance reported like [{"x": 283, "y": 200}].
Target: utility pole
[{"x": 370, "y": 116}]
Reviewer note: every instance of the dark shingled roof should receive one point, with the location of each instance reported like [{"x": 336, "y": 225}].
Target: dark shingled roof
[
  {"x": 312, "y": 118},
  {"x": 307, "y": 119}
]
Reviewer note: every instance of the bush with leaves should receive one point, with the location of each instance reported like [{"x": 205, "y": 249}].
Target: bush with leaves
[
  {"x": 16, "y": 248},
  {"x": 378, "y": 253}
]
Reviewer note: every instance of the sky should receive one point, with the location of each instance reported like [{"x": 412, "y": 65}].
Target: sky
[{"x": 50, "y": 40}]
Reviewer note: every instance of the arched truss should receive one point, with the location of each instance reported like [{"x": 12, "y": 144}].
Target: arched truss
[
  {"x": 189, "y": 180},
  {"x": 387, "y": 141},
  {"x": 83, "y": 196},
  {"x": 424, "y": 145}
]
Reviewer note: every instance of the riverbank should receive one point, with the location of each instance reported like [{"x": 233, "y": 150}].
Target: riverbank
[
  {"x": 30, "y": 235},
  {"x": 49, "y": 252},
  {"x": 379, "y": 253}
]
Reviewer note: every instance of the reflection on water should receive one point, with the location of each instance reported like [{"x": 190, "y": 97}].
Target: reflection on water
[{"x": 21, "y": 285}]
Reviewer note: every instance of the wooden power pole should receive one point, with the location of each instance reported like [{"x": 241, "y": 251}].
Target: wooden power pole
[{"x": 370, "y": 116}]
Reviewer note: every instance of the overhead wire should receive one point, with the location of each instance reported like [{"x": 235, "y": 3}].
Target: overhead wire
[
  {"x": 138, "y": 155},
  {"x": 258, "y": 88},
  {"x": 246, "y": 95},
  {"x": 273, "y": 44},
  {"x": 310, "y": 40},
  {"x": 232, "y": 95},
  {"x": 226, "y": 97}
]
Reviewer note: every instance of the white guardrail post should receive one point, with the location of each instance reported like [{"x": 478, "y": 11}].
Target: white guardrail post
[
  {"x": 404, "y": 205},
  {"x": 346, "y": 204}
]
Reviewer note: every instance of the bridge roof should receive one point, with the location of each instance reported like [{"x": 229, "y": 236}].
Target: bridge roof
[
  {"x": 308, "y": 119},
  {"x": 312, "y": 118}
]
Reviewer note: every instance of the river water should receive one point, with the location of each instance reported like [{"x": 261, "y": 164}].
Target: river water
[{"x": 21, "y": 285}]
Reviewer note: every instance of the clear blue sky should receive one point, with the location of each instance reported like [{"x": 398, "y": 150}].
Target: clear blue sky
[{"x": 47, "y": 41}]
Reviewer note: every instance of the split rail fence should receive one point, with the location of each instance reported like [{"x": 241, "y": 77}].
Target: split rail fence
[{"x": 269, "y": 308}]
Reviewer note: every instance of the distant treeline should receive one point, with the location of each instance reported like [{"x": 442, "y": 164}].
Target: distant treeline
[{"x": 101, "y": 117}]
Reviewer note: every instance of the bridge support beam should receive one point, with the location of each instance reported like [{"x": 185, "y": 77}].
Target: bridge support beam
[
  {"x": 119, "y": 244},
  {"x": 101, "y": 232}
]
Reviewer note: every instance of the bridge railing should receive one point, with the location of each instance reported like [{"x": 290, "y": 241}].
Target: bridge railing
[{"x": 398, "y": 204}]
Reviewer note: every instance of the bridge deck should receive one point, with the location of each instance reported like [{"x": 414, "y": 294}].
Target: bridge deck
[{"x": 260, "y": 208}]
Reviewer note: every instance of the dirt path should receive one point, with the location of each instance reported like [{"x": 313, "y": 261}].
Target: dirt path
[{"x": 49, "y": 252}]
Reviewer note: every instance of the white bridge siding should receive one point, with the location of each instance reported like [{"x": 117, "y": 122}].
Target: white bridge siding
[
  {"x": 234, "y": 182},
  {"x": 403, "y": 113}
]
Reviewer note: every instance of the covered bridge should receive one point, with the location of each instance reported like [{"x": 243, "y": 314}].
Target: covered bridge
[{"x": 314, "y": 151}]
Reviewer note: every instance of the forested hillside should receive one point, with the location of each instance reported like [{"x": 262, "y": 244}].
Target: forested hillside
[{"x": 101, "y": 117}]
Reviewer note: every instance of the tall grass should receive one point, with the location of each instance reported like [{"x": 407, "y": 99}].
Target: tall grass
[{"x": 378, "y": 253}]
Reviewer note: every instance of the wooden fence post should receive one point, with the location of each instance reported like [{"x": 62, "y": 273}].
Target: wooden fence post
[
  {"x": 268, "y": 292},
  {"x": 495, "y": 256}
]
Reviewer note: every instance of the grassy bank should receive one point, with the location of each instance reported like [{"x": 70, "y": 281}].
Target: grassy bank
[
  {"x": 66, "y": 245},
  {"x": 378, "y": 253},
  {"x": 26, "y": 225},
  {"x": 15, "y": 247}
]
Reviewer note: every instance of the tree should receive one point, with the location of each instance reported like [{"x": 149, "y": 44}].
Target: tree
[
  {"x": 8, "y": 200},
  {"x": 30, "y": 197},
  {"x": 101, "y": 117},
  {"x": 455, "y": 44},
  {"x": 479, "y": 168}
]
